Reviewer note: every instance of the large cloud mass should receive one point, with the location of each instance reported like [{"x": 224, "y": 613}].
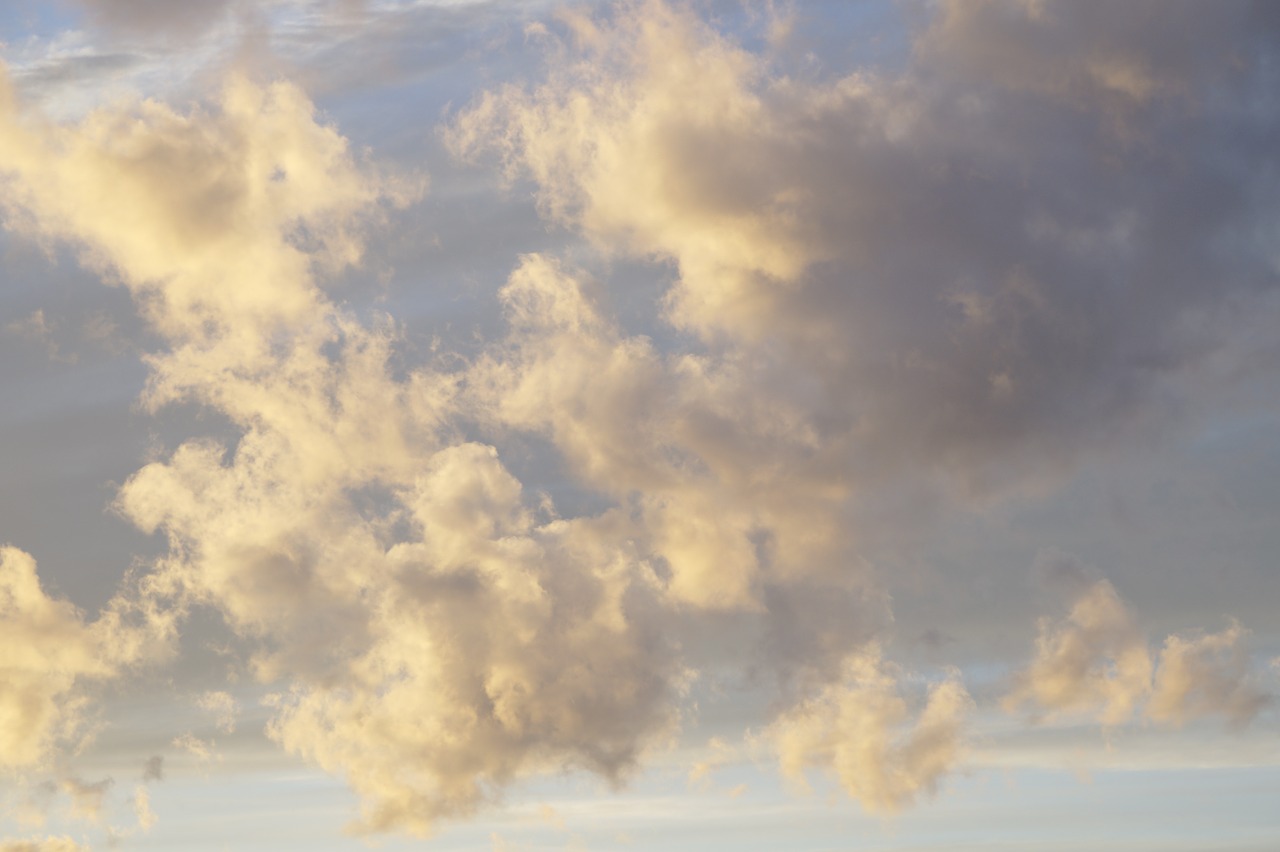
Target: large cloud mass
[
  {"x": 975, "y": 269},
  {"x": 962, "y": 274}
]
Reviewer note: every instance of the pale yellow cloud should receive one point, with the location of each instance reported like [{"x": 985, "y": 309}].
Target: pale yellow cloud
[
  {"x": 222, "y": 706},
  {"x": 861, "y": 729},
  {"x": 1096, "y": 662},
  {"x": 435, "y": 629},
  {"x": 46, "y": 651},
  {"x": 660, "y": 141},
  {"x": 146, "y": 817},
  {"x": 1206, "y": 675},
  {"x": 714, "y": 468},
  {"x": 439, "y": 643}
]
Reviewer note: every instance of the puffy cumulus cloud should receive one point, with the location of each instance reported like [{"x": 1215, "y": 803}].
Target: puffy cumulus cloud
[
  {"x": 44, "y": 844},
  {"x": 499, "y": 648},
  {"x": 728, "y": 489},
  {"x": 974, "y": 279},
  {"x": 176, "y": 206},
  {"x": 860, "y": 728},
  {"x": 1206, "y": 675},
  {"x": 1096, "y": 661},
  {"x": 866, "y": 287},
  {"x": 438, "y": 641},
  {"x": 50, "y": 659}
]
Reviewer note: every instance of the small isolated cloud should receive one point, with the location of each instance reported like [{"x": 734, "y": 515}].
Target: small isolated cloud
[
  {"x": 142, "y": 808},
  {"x": 861, "y": 729},
  {"x": 224, "y": 708},
  {"x": 551, "y": 817},
  {"x": 1096, "y": 662},
  {"x": 1206, "y": 675},
  {"x": 719, "y": 752},
  {"x": 204, "y": 751},
  {"x": 87, "y": 797},
  {"x": 153, "y": 768}
]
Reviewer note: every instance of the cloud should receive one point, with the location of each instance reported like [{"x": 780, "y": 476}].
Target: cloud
[
  {"x": 954, "y": 268},
  {"x": 45, "y": 844},
  {"x": 891, "y": 276},
  {"x": 157, "y": 16},
  {"x": 438, "y": 641},
  {"x": 153, "y": 769},
  {"x": 860, "y": 729},
  {"x": 1206, "y": 675},
  {"x": 500, "y": 648},
  {"x": 86, "y": 797},
  {"x": 1143, "y": 51},
  {"x": 142, "y": 808},
  {"x": 222, "y": 706},
  {"x": 48, "y": 649},
  {"x": 204, "y": 751},
  {"x": 1096, "y": 662},
  {"x": 715, "y": 472}
]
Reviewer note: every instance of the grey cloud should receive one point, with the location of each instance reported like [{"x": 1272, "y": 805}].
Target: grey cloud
[
  {"x": 183, "y": 18},
  {"x": 69, "y": 70},
  {"x": 153, "y": 769},
  {"x": 977, "y": 281}
]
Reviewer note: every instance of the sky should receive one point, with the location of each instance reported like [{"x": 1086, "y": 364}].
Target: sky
[{"x": 814, "y": 425}]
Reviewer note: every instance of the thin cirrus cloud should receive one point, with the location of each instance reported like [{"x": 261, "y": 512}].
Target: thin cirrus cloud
[{"x": 966, "y": 275}]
